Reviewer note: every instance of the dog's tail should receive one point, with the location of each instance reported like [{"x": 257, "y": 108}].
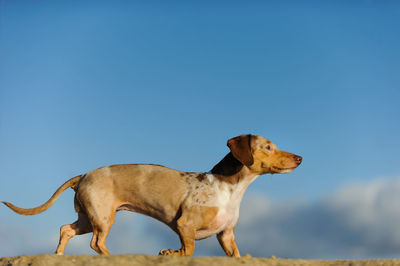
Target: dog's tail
[{"x": 70, "y": 183}]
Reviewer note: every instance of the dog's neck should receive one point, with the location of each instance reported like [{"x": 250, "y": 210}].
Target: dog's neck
[{"x": 231, "y": 171}]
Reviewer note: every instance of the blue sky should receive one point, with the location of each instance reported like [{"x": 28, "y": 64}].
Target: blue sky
[{"x": 87, "y": 84}]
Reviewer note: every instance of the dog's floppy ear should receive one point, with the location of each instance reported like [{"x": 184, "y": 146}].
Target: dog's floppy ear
[{"x": 241, "y": 149}]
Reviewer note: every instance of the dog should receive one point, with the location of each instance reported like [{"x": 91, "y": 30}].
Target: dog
[{"x": 195, "y": 205}]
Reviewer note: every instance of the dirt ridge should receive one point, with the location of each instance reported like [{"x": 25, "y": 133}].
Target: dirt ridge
[{"x": 47, "y": 259}]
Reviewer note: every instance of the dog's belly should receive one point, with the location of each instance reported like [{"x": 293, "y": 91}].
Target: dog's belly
[{"x": 223, "y": 220}]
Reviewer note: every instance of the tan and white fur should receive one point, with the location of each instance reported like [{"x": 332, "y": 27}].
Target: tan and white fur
[{"x": 195, "y": 205}]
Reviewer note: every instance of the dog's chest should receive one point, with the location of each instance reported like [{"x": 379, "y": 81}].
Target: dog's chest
[{"x": 222, "y": 196}]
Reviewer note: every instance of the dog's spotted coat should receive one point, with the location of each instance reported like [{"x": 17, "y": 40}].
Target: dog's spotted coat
[{"x": 194, "y": 205}]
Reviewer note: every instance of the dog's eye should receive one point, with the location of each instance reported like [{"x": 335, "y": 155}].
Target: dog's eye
[{"x": 268, "y": 147}]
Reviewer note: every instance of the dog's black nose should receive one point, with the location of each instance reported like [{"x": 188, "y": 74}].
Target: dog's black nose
[{"x": 298, "y": 159}]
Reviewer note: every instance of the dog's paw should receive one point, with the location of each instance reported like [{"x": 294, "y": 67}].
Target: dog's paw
[{"x": 166, "y": 252}]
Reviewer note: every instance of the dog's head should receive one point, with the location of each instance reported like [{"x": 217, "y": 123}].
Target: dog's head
[{"x": 262, "y": 156}]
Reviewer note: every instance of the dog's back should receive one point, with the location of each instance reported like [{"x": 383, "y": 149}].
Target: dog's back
[{"x": 152, "y": 190}]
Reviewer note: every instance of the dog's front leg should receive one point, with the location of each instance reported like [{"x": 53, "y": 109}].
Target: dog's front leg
[
  {"x": 187, "y": 233},
  {"x": 227, "y": 240}
]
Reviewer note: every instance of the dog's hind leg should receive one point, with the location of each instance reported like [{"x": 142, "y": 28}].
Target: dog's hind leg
[
  {"x": 101, "y": 218},
  {"x": 100, "y": 232},
  {"x": 81, "y": 226},
  {"x": 93, "y": 242},
  {"x": 101, "y": 241},
  {"x": 100, "y": 205}
]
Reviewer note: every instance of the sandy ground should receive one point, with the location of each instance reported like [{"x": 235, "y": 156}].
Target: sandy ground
[{"x": 36, "y": 260}]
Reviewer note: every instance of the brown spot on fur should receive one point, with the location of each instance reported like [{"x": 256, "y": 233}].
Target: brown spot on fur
[
  {"x": 208, "y": 214},
  {"x": 227, "y": 169},
  {"x": 200, "y": 177}
]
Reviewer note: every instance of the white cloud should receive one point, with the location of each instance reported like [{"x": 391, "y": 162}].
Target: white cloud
[{"x": 358, "y": 221}]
